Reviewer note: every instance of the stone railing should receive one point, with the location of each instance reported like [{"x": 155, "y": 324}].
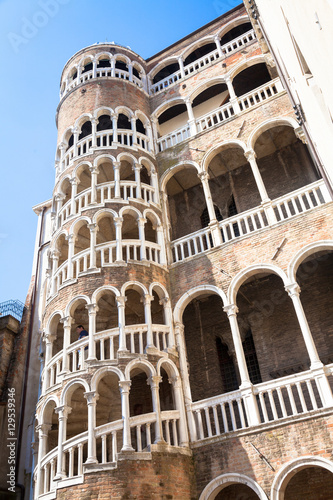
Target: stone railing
[
  {"x": 226, "y": 112},
  {"x": 251, "y": 221},
  {"x": 204, "y": 61}
]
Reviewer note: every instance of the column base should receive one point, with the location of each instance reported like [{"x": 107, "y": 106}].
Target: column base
[
  {"x": 91, "y": 460},
  {"x": 60, "y": 476}
]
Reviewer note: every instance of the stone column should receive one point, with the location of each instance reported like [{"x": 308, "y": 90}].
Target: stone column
[
  {"x": 74, "y": 193},
  {"x": 233, "y": 98},
  {"x": 75, "y": 140},
  {"x": 154, "y": 384},
  {"x": 94, "y": 122},
  {"x": 71, "y": 238},
  {"x": 55, "y": 261},
  {"x": 147, "y": 301},
  {"x": 43, "y": 430},
  {"x": 161, "y": 243},
  {"x": 130, "y": 72},
  {"x": 121, "y": 300},
  {"x": 124, "y": 386},
  {"x": 67, "y": 322},
  {"x": 113, "y": 67},
  {"x": 181, "y": 66},
  {"x": 116, "y": 174},
  {"x": 191, "y": 119},
  {"x": 93, "y": 234},
  {"x": 150, "y": 137},
  {"x": 91, "y": 398},
  {"x": 94, "y": 172},
  {"x": 48, "y": 339},
  {"x": 168, "y": 321},
  {"x": 154, "y": 183},
  {"x": 141, "y": 223},
  {"x": 92, "y": 310},
  {"x": 137, "y": 168},
  {"x": 217, "y": 236},
  {"x": 218, "y": 45},
  {"x": 114, "y": 118},
  {"x": 133, "y": 127},
  {"x": 154, "y": 122},
  {"x": 63, "y": 412},
  {"x": 250, "y": 155},
  {"x": 62, "y": 147},
  {"x": 94, "y": 70},
  {"x": 179, "y": 401},
  {"x": 118, "y": 222}
]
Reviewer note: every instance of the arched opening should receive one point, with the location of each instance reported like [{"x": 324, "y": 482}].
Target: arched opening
[
  {"x": 84, "y": 178},
  {"x": 134, "y": 307},
  {"x": 87, "y": 66},
  {"x": 122, "y": 65},
  {"x": 209, "y": 99},
  {"x": 130, "y": 230},
  {"x": 77, "y": 423},
  {"x": 107, "y": 315},
  {"x": 284, "y": 161},
  {"x": 186, "y": 202},
  {"x": 166, "y": 71},
  {"x": 56, "y": 329},
  {"x": 312, "y": 483},
  {"x": 199, "y": 52},
  {"x": 126, "y": 171},
  {"x": 167, "y": 400},
  {"x": 106, "y": 233},
  {"x": 235, "y": 33},
  {"x": 108, "y": 409},
  {"x": 66, "y": 190},
  {"x": 72, "y": 74},
  {"x": 50, "y": 418},
  {"x": 140, "y": 402},
  {"x": 236, "y": 492},
  {"x": 104, "y": 123},
  {"x": 172, "y": 119},
  {"x": 250, "y": 79},
  {"x": 86, "y": 129},
  {"x": 157, "y": 310},
  {"x": 105, "y": 176},
  {"x": 62, "y": 247},
  {"x": 137, "y": 71},
  {"x": 104, "y": 63},
  {"x": 140, "y": 127},
  {"x": 207, "y": 331},
  {"x": 82, "y": 240},
  {"x": 150, "y": 230},
  {"x": 315, "y": 278},
  {"x": 80, "y": 316}
]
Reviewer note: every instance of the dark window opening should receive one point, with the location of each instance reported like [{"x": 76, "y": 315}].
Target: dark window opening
[
  {"x": 199, "y": 52},
  {"x": 232, "y": 210},
  {"x": 136, "y": 73},
  {"x": 104, "y": 63},
  {"x": 165, "y": 72},
  {"x": 70, "y": 141},
  {"x": 227, "y": 367},
  {"x": 172, "y": 112},
  {"x": 121, "y": 65},
  {"x": 212, "y": 91},
  {"x": 251, "y": 359},
  {"x": 123, "y": 122},
  {"x": 87, "y": 67},
  {"x": 235, "y": 33},
  {"x": 85, "y": 130},
  {"x": 104, "y": 123},
  {"x": 250, "y": 78},
  {"x": 74, "y": 75},
  {"x": 139, "y": 127},
  {"x": 205, "y": 220}
]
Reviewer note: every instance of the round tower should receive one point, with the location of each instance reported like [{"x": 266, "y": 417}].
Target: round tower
[{"x": 111, "y": 399}]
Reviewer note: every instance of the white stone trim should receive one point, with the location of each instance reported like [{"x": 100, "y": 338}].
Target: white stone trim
[{"x": 221, "y": 482}]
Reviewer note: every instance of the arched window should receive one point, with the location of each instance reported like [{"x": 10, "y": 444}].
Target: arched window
[
  {"x": 123, "y": 122},
  {"x": 104, "y": 123},
  {"x": 227, "y": 367},
  {"x": 86, "y": 129},
  {"x": 205, "y": 220}
]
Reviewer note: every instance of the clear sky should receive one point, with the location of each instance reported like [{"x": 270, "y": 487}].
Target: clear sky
[{"x": 37, "y": 37}]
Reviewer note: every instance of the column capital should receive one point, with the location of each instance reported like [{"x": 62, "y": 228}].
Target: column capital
[
  {"x": 154, "y": 381},
  {"x": 117, "y": 164},
  {"x": 121, "y": 300},
  {"x": 92, "y": 309},
  {"x": 94, "y": 121},
  {"x": 55, "y": 254},
  {"x": 175, "y": 380},
  {"x": 49, "y": 337},
  {"x": 124, "y": 386},
  {"x": 71, "y": 238},
  {"x": 141, "y": 220},
  {"x": 293, "y": 290},
  {"x": 94, "y": 170},
  {"x": 136, "y": 166},
  {"x": 67, "y": 321},
  {"x": 74, "y": 181},
  {"x": 62, "y": 145},
  {"x": 60, "y": 197},
  {"x": 91, "y": 397},
  {"x": 118, "y": 220},
  {"x": 227, "y": 78},
  {"x": 188, "y": 101},
  {"x": 300, "y": 134},
  {"x": 250, "y": 154},
  {"x": 63, "y": 411},
  {"x": 203, "y": 176},
  {"x": 147, "y": 299},
  {"x": 165, "y": 301},
  {"x": 179, "y": 327},
  {"x": 43, "y": 429},
  {"x": 231, "y": 310},
  {"x": 92, "y": 227}
]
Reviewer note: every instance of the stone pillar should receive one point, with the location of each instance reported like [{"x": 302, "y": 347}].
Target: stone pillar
[
  {"x": 161, "y": 243},
  {"x": 181, "y": 66},
  {"x": 121, "y": 300},
  {"x": 154, "y": 183},
  {"x": 150, "y": 137},
  {"x": 94, "y": 122},
  {"x": 62, "y": 148},
  {"x": 130, "y": 72},
  {"x": 118, "y": 222},
  {"x": 191, "y": 119},
  {"x": 116, "y": 174},
  {"x": 93, "y": 234},
  {"x": 233, "y": 98},
  {"x": 43, "y": 430},
  {"x": 218, "y": 45},
  {"x": 71, "y": 238},
  {"x": 94, "y": 172},
  {"x": 55, "y": 261},
  {"x": 75, "y": 140},
  {"x": 250, "y": 155},
  {"x": 137, "y": 168},
  {"x": 154, "y": 382},
  {"x": 154, "y": 122},
  {"x": 113, "y": 67},
  {"x": 141, "y": 223},
  {"x": 147, "y": 301},
  {"x": 74, "y": 193},
  {"x": 124, "y": 386},
  {"x": 179, "y": 401},
  {"x": 114, "y": 118},
  {"x": 94, "y": 70},
  {"x": 92, "y": 310},
  {"x": 91, "y": 398},
  {"x": 168, "y": 321},
  {"x": 48, "y": 339},
  {"x": 217, "y": 236},
  {"x": 63, "y": 412},
  {"x": 67, "y": 322},
  {"x": 133, "y": 127}
]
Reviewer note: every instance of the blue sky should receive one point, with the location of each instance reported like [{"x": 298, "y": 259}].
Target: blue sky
[{"x": 37, "y": 37}]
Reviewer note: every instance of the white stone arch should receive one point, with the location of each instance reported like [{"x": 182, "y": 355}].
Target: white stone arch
[
  {"x": 221, "y": 482},
  {"x": 138, "y": 67},
  {"x": 245, "y": 63},
  {"x": 55, "y": 313},
  {"x": 105, "y": 156},
  {"x": 71, "y": 387},
  {"x": 195, "y": 45},
  {"x": 169, "y": 366},
  {"x": 71, "y": 71},
  {"x": 59, "y": 187},
  {"x": 129, "y": 210},
  {"x": 145, "y": 365},
  {"x": 127, "y": 157},
  {"x": 169, "y": 60},
  {"x": 66, "y": 135},
  {"x": 166, "y": 105},
  {"x": 86, "y": 117},
  {"x": 77, "y": 170},
  {"x": 99, "y": 374},
  {"x": 122, "y": 57},
  {"x": 77, "y": 223},
  {"x": 69, "y": 306},
  {"x": 286, "y": 472},
  {"x": 174, "y": 169},
  {"x": 205, "y": 85},
  {"x": 192, "y": 294},
  {"x": 139, "y": 115},
  {"x": 232, "y": 24},
  {"x": 148, "y": 164},
  {"x": 40, "y": 414},
  {"x": 246, "y": 273},
  {"x": 152, "y": 216},
  {"x": 124, "y": 110},
  {"x": 102, "y": 55},
  {"x": 133, "y": 285},
  {"x": 288, "y": 121},
  {"x": 155, "y": 285},
  {"x": 84, "y": 59},
  {"x": 102, "y": 110},
  {"x": 303, "y": 253},
  {"x": 102, "y": 212},
  {"x": 55, "y": 240},
  {"x": 209, "y": 155},
  {"x": 99, "y": 291}
]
